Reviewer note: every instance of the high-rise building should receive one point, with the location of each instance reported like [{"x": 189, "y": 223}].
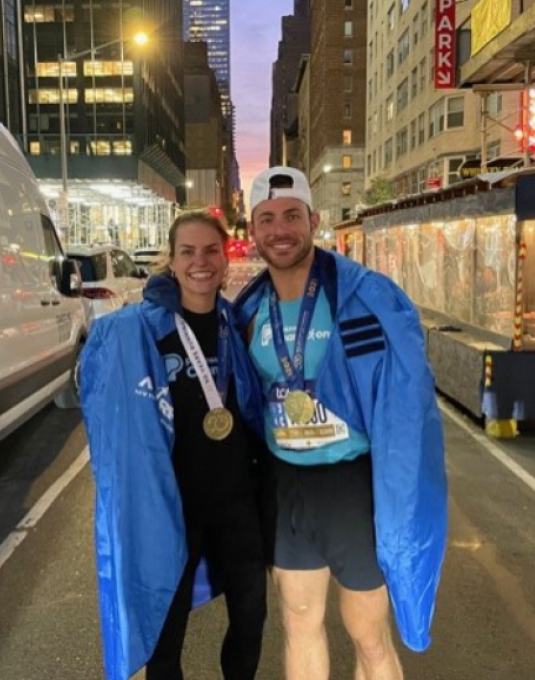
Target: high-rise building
[
  {"x": 209, "y": 21},
  {"x": 294, "y": 42},
  {"x": 122, "y": 105},
  {"x": 337, "y": 83},
  {"x": 10, "y": 59}
]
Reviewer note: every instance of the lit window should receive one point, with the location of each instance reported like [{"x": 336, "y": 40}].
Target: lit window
[
  {"x": 346, "y": 162},
  {"x": 50, "y": 69},
  {"x": 346, "y": 188},
  {"x": 109, "y": 95},
  {"x": 346, "y": 137},
  {"x": 100, "y": 148},
  {"x": 48, "y": 95},
  {"x": 108, "y": 68},
  {"x": 122, "y": 148}
]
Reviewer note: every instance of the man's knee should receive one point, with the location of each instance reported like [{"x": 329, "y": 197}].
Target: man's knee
[{"x": 374, "y": 646}]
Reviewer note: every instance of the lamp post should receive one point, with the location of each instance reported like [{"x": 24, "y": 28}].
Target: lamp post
[{"x": 139, "y": 38}]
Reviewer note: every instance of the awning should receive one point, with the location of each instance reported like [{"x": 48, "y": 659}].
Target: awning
[{"x": 503, "y": 59}]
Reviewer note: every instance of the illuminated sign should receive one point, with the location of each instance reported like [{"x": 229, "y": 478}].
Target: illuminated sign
[{"x": 444, "y": 44}]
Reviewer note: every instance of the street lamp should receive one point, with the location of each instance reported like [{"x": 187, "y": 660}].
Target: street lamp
[{"x": 140, "y": 38}]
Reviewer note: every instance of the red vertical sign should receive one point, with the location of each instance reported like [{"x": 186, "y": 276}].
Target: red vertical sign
[{"x": 444, "y": 44}]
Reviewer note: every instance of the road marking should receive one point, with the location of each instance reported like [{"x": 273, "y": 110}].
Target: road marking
[
  {"x": 15, "y": 538},
  {"x": 492, "y": 448}
]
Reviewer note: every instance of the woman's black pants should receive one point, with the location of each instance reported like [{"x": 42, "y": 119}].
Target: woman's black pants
[{"x": 230, "y": 539}]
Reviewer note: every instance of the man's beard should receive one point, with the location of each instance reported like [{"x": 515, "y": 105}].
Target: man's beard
[{"x": 296, "y": 260}]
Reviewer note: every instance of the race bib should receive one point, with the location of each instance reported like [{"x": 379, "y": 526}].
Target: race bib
[{"x": 324, "y": 427}]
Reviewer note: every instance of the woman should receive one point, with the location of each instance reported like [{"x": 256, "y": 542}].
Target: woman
[{"x": 164, "y": 385}]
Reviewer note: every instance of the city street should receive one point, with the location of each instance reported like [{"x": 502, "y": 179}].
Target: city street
[{"x": 485, "y": 619}]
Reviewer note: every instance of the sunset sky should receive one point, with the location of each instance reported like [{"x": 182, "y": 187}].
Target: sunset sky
[{"x": 254, "y": 39}]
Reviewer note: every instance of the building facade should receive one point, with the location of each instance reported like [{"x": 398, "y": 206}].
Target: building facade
[
  {"x": 11, "y": 102},
  {"x": 295, "y": 41},
  {"x": 209, "y": 21},
  {"x": 204, "y": 129},
  {"x": 337, "y": 110},
  {"x": 416, "y": 135},
  {"x": 122, "y": 108}
]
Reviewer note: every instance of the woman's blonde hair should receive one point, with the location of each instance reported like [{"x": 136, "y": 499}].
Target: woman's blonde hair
[{"x": 190, "y": 217}]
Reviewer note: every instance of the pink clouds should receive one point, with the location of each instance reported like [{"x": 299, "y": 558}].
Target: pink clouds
[{"x": 255, "y": 35}]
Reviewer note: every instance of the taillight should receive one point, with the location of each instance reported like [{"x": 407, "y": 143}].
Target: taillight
[{"x": 98, "y": 293}]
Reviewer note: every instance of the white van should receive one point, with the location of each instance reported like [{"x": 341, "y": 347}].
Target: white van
[{"x": 41, "y": 316}]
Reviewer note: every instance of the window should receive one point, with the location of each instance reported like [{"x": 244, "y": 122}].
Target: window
[
  {"x": 50, "y": 69},
  {"x": 432, "y": 66},
  {"x": 346, "y": 161},
  {"x": 414, "y": 83},
  {"x": 424, "y": 19},
  {"x": 348, "y": 57},
  {"x": 346, "y": 214},
  {"x": 391, "y": 18},
  {"x": 390, "y": 64},
  {"x": 108, "y": 68},
  {"x": 454, "y": 112},
  {"x": 349, "y": 4},
  {"x": 403, "y": 5},
  {"x": 346, "y": 187},
  {"x": 52, "y": 247},
  {"x": 453, "y": 165},
  {"x": 348, "y": 29},
  {"x": 423, "y": 68},
  {"x": 348, "y": 84},
  {"x": 414, "y": 138},
  {"x": 390, "y": 108},
  {"x": 346, "y": 137},
  {"x": 347, "y": 110},
  {"x": 403, "y": 47},
  {"x": 389, "y": 152},
  {"x": 402, "y": 142},
  {"x": 375, "y": 119},
  {"x": 39, "y": 14},
  {"x": 122, "y": 264},
  {"x": 109, "y": 95},
  {"x": 421, "y": 129},
  {"x": 49, "y": 95},
  {"x": 436, "y": 118},
  {"x": 415, "y": 28},
  {"x": 403, "y": 94}
]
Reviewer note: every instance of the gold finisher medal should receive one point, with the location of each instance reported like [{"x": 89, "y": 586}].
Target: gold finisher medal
[
  {"x": 218, "y": 423},
  {"x": 299, "y": 406}
]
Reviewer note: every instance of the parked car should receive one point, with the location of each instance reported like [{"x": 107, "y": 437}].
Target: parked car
[
  {"x": 146, "y": 258},
  {"x": 42, "y": 323},
  {"x": 110, "y": 279}
]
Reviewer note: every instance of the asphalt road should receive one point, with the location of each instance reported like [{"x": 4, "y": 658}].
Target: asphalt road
[{"x": 485, "y": 618}]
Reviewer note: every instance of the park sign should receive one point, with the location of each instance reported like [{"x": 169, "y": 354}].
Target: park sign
[{"x": 444, "y": 44}]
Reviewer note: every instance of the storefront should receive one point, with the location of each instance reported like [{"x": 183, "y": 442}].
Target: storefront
[{"x": 466, "y": 257}]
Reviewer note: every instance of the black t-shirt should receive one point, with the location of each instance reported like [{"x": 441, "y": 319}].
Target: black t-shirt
[{"x": 208, "y": 471}]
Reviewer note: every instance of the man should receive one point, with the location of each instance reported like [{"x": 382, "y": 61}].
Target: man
[{"x": 352, "y": 422}]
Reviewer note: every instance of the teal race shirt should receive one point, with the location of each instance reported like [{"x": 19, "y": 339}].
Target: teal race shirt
[{"x": 326, "y": 438}]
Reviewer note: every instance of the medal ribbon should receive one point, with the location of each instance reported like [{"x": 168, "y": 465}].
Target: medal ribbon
[
  {"x": 215, "y": 395},
  {"x": 294, "y": 368}
]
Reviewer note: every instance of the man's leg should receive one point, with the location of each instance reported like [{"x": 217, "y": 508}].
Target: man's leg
[
  {"x": 366, "y": 619},
  {"x": 303, "y": 597}
]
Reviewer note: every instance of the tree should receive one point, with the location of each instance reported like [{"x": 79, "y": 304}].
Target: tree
[{"x": 381, "y": 190}]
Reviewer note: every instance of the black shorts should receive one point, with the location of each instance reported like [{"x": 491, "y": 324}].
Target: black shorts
[{"x": 323, "y": 517}]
